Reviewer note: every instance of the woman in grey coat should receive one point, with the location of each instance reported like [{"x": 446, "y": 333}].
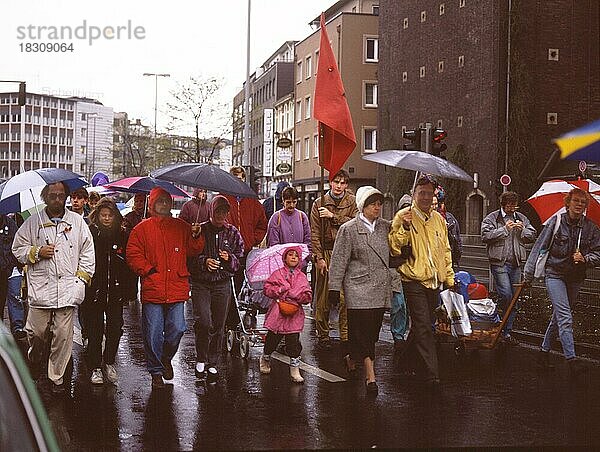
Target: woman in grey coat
[{"x": 359, "y": 266}]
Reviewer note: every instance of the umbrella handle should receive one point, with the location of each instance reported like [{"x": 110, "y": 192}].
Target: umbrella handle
[{"x": 40, "y": 218}]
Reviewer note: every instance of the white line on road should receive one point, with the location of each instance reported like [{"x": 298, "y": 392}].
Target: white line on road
[{"x": 310, "y": 369}]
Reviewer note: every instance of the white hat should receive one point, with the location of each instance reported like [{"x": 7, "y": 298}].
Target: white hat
[{"x": 363, "y": 193}]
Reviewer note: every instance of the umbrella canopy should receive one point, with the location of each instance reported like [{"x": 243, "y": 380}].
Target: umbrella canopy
[
  {"x": 19, "y": 192},
  {"x": 262, "y": 263},
  {"x": 203, "y": 175},
  {"x": 581, "y": 144},
  {"x": 144, "y": 184},
  {"x": 419, "y": 161},
  {"x": 549, "y": 200}
]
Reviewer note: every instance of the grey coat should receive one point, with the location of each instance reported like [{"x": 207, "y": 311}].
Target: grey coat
[
  {"x": 499, "y": 240},
  {"x": 359, "y": 265}
]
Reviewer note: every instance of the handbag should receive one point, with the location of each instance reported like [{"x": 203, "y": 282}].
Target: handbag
[
  {"x": 405, "y": 253},
  {"x": 540, "y": 263},
  {"x": 286, "y": 308}
]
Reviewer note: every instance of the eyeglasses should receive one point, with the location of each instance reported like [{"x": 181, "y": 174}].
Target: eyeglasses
[{"x": 57, "y": 196}]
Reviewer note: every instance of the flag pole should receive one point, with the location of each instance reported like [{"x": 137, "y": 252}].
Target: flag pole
[{"x": 322, "y": 187}]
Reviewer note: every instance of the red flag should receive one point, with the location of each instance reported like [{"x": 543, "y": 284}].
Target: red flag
[{"x": 331, "y": 110}]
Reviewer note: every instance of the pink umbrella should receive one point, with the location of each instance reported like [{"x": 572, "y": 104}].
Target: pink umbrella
[
  {"x": 263, "y": 262},
  {"x": 143, "y": 184}
]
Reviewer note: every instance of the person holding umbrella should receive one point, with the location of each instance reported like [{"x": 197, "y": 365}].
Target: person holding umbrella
[
  {"x": 157, "y": 251},
  {"x": 58, "y": 248},
  {"x": 110, "y": 241},
  {"x": 197, "y": 209},
  {"x": 573, "y": 246}
]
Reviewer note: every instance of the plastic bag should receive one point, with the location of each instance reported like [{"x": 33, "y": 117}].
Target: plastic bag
[{"x": 457, "y": 313}]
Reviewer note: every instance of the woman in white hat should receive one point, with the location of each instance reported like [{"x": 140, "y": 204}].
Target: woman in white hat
[{"x": 359, "y": 266}]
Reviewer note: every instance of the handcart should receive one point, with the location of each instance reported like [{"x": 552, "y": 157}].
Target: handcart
[{"x": 485, "y": 335}]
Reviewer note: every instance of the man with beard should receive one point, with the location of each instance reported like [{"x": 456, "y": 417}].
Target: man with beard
[{"x": 58, "y": 249}]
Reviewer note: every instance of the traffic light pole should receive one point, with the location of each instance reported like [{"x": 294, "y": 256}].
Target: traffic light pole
[{"x": 428, "y": 137}]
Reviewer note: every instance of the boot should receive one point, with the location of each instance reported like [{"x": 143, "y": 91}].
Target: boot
[
  {"x": 295, "y": 370},
  {"x": 265, "y": 364}
]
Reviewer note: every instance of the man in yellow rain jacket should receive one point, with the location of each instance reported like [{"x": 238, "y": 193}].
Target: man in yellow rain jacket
[{"x": 427, "y": 269}]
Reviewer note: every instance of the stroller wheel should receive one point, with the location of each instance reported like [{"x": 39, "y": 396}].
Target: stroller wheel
[
  {"x": 230, "y": 340},
  {"x": 244, "y": 346}
]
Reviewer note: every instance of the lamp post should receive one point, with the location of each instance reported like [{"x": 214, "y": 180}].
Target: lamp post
[
  {"x": 87, "y": 133},
  {"x": 152, "y": 74}
]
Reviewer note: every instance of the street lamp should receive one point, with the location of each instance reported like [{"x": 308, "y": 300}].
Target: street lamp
[
  {"x": 151, "y": 74},
  {"x": 87, "y": 133}
]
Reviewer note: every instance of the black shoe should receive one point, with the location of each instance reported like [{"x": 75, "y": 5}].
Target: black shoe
[
  {"x": 372, "y": 388},
  {"x": 543, "y": 360},
  {"x": 58, "y": 389},
  {"x": 20, "y": 334},
  {"x": 157, "y": 381},
  {"x": 212, "y": 375},
  {"x": 168, "y": 369},
  {"x": 577, "y": 367}
]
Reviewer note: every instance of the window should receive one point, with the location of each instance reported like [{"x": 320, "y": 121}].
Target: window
[
  {"x": 553, "y": 54},
  {"x": 307, "y": 107},
  {"x": 370, "y": 94},
  {"x": 552, "y": 118},
  {"x": 376, "y": 10},
  {"x": 440, "y": 124},
  {"x": 461, "y": 61},
  {"x": 442, "y": 9},
  {"x": 459, "y": 121},
  {"x": 316, "y": 146},
  {"x": 405, "y": 23},
  {"x": 83, "y": 132},
  {"x": 299, "y": 111},
  {"x": 423, "y": 16},
  {"x": 308, "y": 68},
  {"x": 306, "y": 148},
  {"x": 440, "y": 66},
  {"x": 299, "y": 72},
  {"x": 316, "y": 61},
  {"x": 404, "y": 76},
  {"x": 422, "y": 72},
  {"x": 461, "y": 3},
  {"x": 371, "y": 50},
  {"x": 297, "y": 150},
  {"x": 370, "y": 140}
]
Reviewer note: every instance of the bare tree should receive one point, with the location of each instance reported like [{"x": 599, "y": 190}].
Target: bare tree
[{"x": 196, "y": 103}]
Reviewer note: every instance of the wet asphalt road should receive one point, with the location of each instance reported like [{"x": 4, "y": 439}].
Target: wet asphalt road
[{"x": 490, "y": 398}]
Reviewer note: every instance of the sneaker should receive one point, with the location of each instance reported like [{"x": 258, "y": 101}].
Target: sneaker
[
  {"x": 111, "y": 373},
  {"x": 97, "y": 378},
  {"x": 157, "y": 381},
  {"x": 20, "y": 334},
  {"x": 265, "y": 365},
  {"x": 212, "y": 375},
  {"x": 543, "y": 360},
  {"x": 168, "y": 369},
  {"x": 577, "y": 367}
]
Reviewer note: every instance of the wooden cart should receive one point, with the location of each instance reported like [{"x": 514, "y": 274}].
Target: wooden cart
[{"x": 484, "y": 335}]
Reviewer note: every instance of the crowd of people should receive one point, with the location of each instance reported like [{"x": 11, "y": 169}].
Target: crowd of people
[{"x": 81, "y": 264}]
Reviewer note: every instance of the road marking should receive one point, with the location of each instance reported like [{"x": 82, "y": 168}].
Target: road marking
[{"x": 310, "y": 369}]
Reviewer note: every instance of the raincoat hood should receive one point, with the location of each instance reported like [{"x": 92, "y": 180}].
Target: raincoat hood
[
  {"x": 218, "y": 201},
  {"x": 105, "y": 203},
  {"x": 156, "y": 193},
  {"x": 293, "y": 248}
]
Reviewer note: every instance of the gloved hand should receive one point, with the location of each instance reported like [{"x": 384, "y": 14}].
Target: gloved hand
[{"x": 333, "y": 297}]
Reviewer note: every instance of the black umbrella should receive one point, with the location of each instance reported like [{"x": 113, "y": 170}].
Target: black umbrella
[{"x": 203, "y": 175}]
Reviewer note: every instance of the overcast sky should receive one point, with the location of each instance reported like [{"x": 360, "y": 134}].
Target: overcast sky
[{"x": 183, "y": 38}]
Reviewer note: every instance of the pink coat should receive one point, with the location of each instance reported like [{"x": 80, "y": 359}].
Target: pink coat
[{"x": 291, "y": 287}]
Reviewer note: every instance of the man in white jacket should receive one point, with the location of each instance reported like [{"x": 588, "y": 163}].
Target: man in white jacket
[{"x": 58, "y": 249}]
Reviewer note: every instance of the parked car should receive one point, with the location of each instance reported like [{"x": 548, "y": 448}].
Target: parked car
[{"x": 24, "y": 424}]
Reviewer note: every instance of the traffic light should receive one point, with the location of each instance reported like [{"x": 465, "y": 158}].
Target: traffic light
[
  {"x": 254, "y": 178},
  {"x": 437, "y": 147},
  {"x": 22, "y": 94},
  {"x": 415, "y": 139}
]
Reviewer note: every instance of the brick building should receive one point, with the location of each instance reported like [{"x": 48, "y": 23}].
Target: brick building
[{"x": 446, "y": 62}]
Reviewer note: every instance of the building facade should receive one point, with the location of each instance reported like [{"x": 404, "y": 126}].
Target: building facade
[
  {"x": 502, "y": 78},
  {"x": 42, "y": 138},
  {"x": 352, "y": 27}
]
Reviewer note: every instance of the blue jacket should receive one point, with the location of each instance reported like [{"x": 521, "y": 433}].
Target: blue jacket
[{"x": 560, "y": 262}]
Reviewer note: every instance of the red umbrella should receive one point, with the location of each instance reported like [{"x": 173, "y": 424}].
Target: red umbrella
[
  {"x": 144, "y": 184},
  {"x": 550, "y": 198}
]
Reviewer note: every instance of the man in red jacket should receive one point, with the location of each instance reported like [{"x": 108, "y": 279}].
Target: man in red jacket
[
  {"x": 248, "y": 216},
  {"x": 157, "y": 251}
]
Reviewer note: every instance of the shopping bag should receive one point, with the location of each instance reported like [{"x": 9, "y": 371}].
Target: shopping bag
[
  {"x": 457, "y": 313},
  {"x": 399, "y": 320}
]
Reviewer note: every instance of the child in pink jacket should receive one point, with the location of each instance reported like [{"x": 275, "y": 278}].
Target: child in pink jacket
[{"x": 289, "y": 289}]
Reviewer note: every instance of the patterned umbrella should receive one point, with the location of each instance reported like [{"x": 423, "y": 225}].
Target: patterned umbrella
[
  {"x": 549, "y": 200},
  {"x": 581, "y": 144},
  {"x": 263, "y": 262},
  {"x": 144, "y": 184}
]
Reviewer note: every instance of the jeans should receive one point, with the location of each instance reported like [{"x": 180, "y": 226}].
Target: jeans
[
  {"x": 504, "y": 277},
  {"x": 163, "y": 325},
  {"x": 210, "y": 302},
  {"x": 113, "y": 308},
  {"x": 562, "y": 294},
  {"x": 16, "y": 306}
]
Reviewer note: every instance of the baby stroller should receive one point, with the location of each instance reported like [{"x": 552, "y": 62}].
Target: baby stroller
[{"x": 251, "y": 301}]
